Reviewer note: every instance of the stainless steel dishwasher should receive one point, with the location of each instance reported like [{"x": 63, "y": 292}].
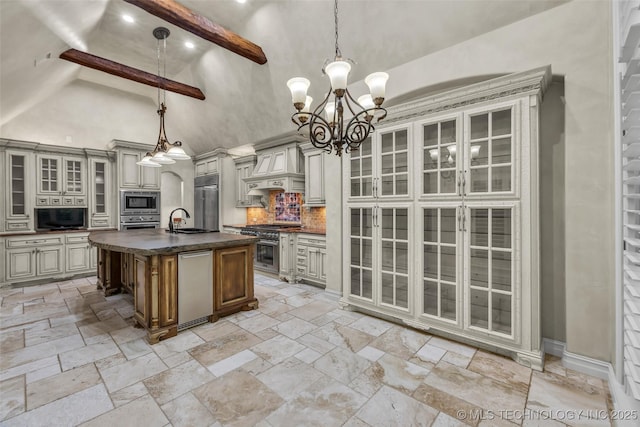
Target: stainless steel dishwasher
[{"x": 195, "y": 288}]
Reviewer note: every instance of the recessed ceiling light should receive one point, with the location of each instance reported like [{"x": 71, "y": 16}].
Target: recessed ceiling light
[
  {"x": 189, "y": 45},
  {"x": 128, "y": 18},
  {"x": 241, "y": 1}
]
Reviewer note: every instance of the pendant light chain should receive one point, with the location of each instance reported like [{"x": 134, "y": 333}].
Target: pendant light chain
[{"x": 335, "y": 15}]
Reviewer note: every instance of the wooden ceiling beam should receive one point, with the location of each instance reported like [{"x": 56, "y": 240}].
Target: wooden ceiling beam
[
  {"x": 183, "y": 17},
  {"x": 130, "y": 73}
]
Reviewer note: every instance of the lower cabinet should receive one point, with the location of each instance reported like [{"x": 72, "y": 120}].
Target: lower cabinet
[
  {"x": 303, "y": 257},
  {"x": 311, "y": 255},
  {"x": 41, "y": 256}
]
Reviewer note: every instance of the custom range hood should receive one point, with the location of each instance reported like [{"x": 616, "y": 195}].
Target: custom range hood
[{"x": 279, "y": 166}]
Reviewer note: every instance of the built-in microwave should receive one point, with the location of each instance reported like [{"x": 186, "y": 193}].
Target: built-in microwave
[{"x": 134, "y": 202}]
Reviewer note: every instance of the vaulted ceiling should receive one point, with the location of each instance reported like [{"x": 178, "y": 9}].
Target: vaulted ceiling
[{"x": 245, "y": 102}]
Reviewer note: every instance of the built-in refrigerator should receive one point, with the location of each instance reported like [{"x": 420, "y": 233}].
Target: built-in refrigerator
[{"x": 206, "y": 202}]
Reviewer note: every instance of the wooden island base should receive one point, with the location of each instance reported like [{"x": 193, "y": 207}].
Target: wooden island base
[{"x": 152, "y": 278}]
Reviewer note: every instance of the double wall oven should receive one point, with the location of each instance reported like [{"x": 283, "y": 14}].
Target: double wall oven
[
  {"x": 139, "y": 209},
  {"x": 267, "y": 254}
]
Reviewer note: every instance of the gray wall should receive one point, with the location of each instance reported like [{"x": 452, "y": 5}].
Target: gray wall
[{"x": 552, "y": 213}]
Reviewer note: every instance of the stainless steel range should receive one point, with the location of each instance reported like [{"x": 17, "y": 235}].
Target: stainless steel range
[{"x": 267, "y": 255}]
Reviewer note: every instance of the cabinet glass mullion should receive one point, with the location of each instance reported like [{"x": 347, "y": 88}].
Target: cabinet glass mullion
[
  {"x": 490, "y": 152},
  {"x": 361, "y": 246},
  {"x": 439, "y": 158},
  {"x": 490, "y": 259},
  {"x": 361, "y": 162}
]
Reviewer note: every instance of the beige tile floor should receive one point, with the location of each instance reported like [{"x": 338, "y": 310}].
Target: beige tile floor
[{"x": 70, "y": 356}]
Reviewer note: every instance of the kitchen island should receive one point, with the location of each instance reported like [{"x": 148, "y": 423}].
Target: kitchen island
[{"x": 147, "y": 263}]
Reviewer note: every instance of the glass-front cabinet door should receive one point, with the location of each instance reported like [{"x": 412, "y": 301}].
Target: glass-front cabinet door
[
  {"x": 17, "y": 185},
  {"x": 393, "y": 168},
  {"x": 361, "y": 171},
  {"x": 440, "y": 157},
  {"x": 360, "y": 271},
  {"x": 440, "y": 263},
  {"x": 393, "y": 225},
  {"x": 489, "y": 151},
  {"x": 490, "y": 262},
  {"x": 73, "y": 179},
  {"x": 49, "y": 176}
]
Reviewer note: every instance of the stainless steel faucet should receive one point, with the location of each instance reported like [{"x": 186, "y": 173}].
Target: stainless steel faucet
[{"x": 171, "y": 218}]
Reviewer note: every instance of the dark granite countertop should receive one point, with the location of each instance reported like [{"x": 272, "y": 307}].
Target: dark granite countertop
[{"x": 158, "y": 241}]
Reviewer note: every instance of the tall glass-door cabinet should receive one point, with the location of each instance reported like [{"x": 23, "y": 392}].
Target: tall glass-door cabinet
[{"x": 441, "y": 221}]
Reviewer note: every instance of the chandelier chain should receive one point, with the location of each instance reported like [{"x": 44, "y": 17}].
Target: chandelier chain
[{"x": 335, "y": 15}]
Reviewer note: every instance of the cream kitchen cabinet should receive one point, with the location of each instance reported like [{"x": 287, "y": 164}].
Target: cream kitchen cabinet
[
  {"x": 19, "y": 195},
  {"x": 34, "y": 257},
  {"x": 314, "y": 175},
  {"x": 287, "y": 256},
  {"x": 244, "y": 169},
  {"x": 61, "y": 180},
  {"x": 451, "y": 182},
  {"x": 100, "y": 194},
  {"x": 311, "y": 257},
  {"x": 131, "y": 175},
  {"x": 78, "y": 252},
  {"x": 207, "y": 167},
  {"x": 41, "y": 256}
]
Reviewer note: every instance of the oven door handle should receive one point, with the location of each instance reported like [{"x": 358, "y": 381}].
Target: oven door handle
[{"x": 267, "y": 243}]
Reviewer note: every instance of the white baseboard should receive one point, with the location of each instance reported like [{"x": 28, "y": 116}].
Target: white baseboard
[
  {"x": 553, "y": 347},
  {"x": 598, "y": 369},
  {"x": 586, "y": 365}
]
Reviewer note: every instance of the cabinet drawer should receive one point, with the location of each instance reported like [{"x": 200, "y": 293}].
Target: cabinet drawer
[
  {"x": 301, "y": 261},
  {"x": 55, "y": 201},
  {"x": 312, "y": 241},
  {"x": 26, "y": 242},
  {"x": 99, "y": 222},
  {"x": 42, "y": 201},
  {"x": 276, "y": 183},
  {"x": 68, "y": 201},
  {"x": 77, "y": 238},
  {"x": 81, "y": 201},
  {"x": 302, "y": 251},
  {"x": 301, "y": 270},
  {"x": 17, "y": 225}
]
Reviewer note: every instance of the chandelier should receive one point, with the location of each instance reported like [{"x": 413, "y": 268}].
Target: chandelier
[
  {"x": 164, "y": 153},
  {"x": 330, "y": 132}
]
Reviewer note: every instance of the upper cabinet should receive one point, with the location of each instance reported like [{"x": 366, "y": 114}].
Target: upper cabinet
[
  {"x": 244, "y": 169},
  {"x": 61, "y": 180},
  {"x": 314, "y": 175},
  {"x": 380, "y": 168},
  {"x": 19, "y": 194},
  {"x": 100, "y": 192},
  {"x": 207, "y": 167},
  {"x": 132, "y": 175},
  {"x": 129, "y": 174}
]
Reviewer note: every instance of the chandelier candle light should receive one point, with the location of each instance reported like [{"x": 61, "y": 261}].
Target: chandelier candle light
[
  {"x": 164, "y": 153},
  {"x": 330, "y": 132}
]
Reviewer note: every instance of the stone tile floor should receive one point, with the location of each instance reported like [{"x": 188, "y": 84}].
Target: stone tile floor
[{"x": 70, "y": 356}]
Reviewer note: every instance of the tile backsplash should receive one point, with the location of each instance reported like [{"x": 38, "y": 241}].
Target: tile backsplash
[{"x": 307, "y": 217}]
